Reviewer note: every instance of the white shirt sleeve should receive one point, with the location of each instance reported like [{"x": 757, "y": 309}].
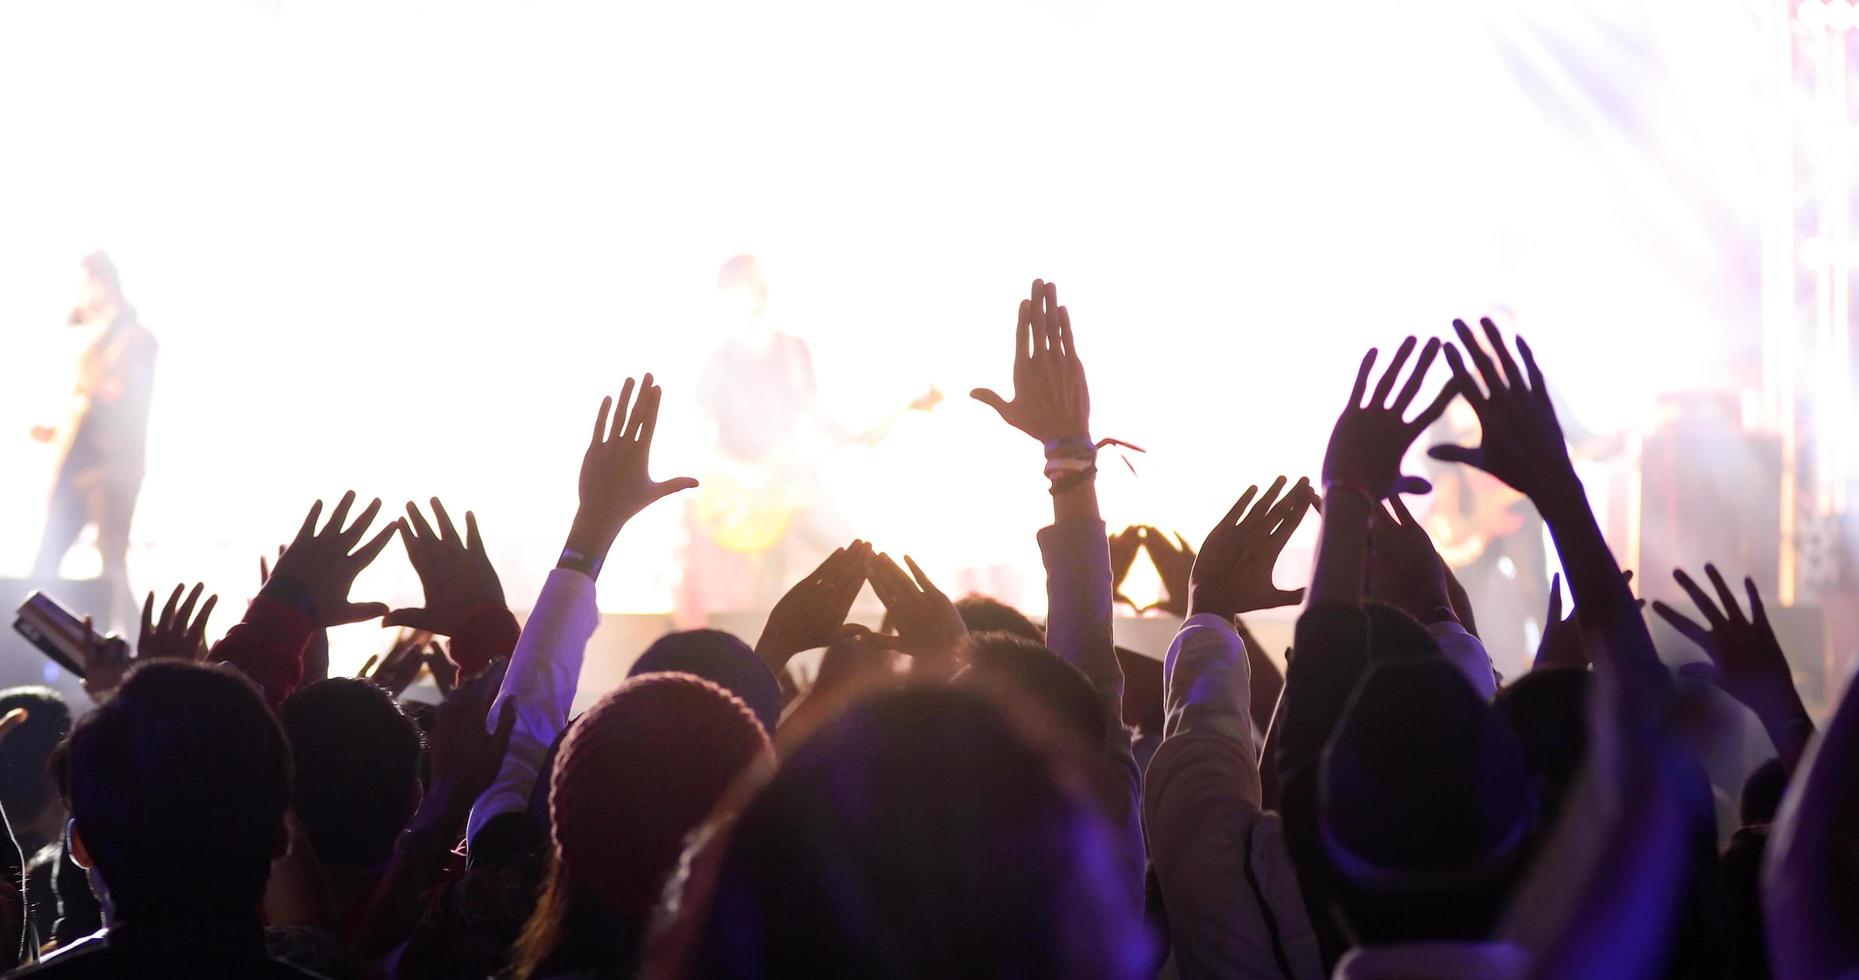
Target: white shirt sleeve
[{"x": 544, "y": 670}]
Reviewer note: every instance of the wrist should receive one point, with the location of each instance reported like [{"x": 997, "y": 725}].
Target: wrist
[{"x": 585, "y": 551}]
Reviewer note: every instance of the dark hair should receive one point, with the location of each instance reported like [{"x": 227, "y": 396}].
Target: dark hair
[
  {"x": 924, "y": 832},
  {"x": 1043, "y": 678},
  {"x": 1762, "y": 793},
  {"x": 357, "y": 772},
  {"x": 1548, "y": 712},
  {"x": 984, "y": 614},
  {"x": 178, "y": 785},
  {"x": 722, "y": 659},
  {"x": 26, "y": 784}
]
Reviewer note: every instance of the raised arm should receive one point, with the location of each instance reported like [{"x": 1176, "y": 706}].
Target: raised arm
[
  {"x": 1361, "y": 467},
  {"x": 1202, "y": 806},
  {"x": 1523, "y": 446},
  {"x": 615, "y": 484},
  {"x": 1052, "y": 403},
  {"x": 1746, "y": 660}
]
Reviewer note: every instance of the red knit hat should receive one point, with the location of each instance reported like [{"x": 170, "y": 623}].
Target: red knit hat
[{"x": 639, "y": 771}]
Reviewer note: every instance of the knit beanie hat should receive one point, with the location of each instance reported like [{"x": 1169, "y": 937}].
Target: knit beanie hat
[
  {"x": 721, "y": 659},
  {"x": 637, "y": 773},
  {"x": 1423, "y": 786}
]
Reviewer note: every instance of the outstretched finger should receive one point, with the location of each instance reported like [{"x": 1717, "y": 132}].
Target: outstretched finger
[
  {"x": 1023, "y": 335},
  {"x": 198, "y": 632},
  {"x": 1260, "y": 511},
  {"x": 621, "y": 407},
  {"x": 1555, "y": 601},
  {"x": 922, "y": 580},
  {"x": 308, "y": 530},
  {"x": 148, "y": 615},
  {"x": 363, "y": 522},
  {"x": 1380, "y": 398},
  {"x": 1435, "y": 408},
  {"x": 1513, "y": 378},
  {"x": 167, "y": 611},
  {"x": 648, "y": 427},
  {"x": 1686, "y": 627},
  {"x": 648, "y": 392},
  {"x": 338, "y": 518},
  {"x": 1698, "y": 598},
  {"x": 1537, "y": 387},
  {"x": 448, "y": 532},
  {"x": 1422, "y": 365},
  {"x": 1487, "y": 371},
  {"x": 600, "y": 421},
  {"x": 1757, "y": 614},
  {"x": 1402, "y": 515},
  {"x": 1290, "y": 513},
  {"x": 365, "y": 557},
  {"x": 474, "y": 542},
  {"x": 186, "y": 612},
  {"x": 1361, "y": 385},
  {"x": 1731, "y": 610}
]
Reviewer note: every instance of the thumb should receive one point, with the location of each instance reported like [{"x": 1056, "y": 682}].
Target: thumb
[
  {"x": 1412, "y": 485},
  {"x": 1455, "y": 454},
  {"x": 417, "y": 619},
  {"x": 1698, "y": 670},
  {"x": 666, "y": 488},
  {"x": 988, "y": 397}
]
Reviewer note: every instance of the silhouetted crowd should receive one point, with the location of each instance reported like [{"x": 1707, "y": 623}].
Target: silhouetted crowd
[{"x": 964, "y": 792}]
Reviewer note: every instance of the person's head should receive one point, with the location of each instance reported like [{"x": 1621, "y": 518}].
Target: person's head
[
  {"x": 927, "y": 831},
  {"x": 99, "y": 289},
  {"x": 1425, "y": 808},
  {"x": 634, "y": 776},
  {"x": 177, "y": 787},
  {"x": 744, "y": 291},
  {"x": 1040, "y": 677},
  {"x": 1548, "y": 712},
  {"x": 722, "y": 659},
  {"x": 983, "y": 614},
  {"x": 357, "y": 779},
  {"x": 27, "y": 789}
]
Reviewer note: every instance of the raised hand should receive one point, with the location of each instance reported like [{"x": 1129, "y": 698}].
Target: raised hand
[
  {"x": 809, "y": 616},
  {"x": 444, "y": 672},
  {"x": 1370, "y": 437},
  {"x": 1404, "y": 569},
  {"x": 106, "y": 660},
  {"x": 454, "y": 571},
  {"x": 928, "y": 625},
  {"x": 1050, "y": 399},
  {"x": 1746, "y": 659},
  {"x": 616, "y": 481},
  {"x": 1233, "y": 573},
  {"x": 1522, "y": 443},
  {"x": 1125, "y": 545},
  {"x": 1174, "y": 565},
  {"x": 178, "y": 634},
  {"x": 318, "y": 567},
  {"x": 396, "y": 670}
]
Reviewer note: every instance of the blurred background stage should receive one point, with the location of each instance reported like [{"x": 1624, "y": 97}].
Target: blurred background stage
[{"x": 406, "y": 248}]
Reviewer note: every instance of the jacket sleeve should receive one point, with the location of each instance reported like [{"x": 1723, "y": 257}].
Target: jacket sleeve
[
  {"x": 1078, "y": 613},
  {"x": 267, "y": 646},
  {"x": 1234, "y": 909},
  {"x": 544, "y": 671}
]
